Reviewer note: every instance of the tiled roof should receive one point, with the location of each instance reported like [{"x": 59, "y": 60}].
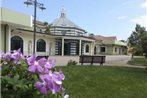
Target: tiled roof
[
  {"x": 38, "y": 22},
  {"x": 99, "y": 37}
]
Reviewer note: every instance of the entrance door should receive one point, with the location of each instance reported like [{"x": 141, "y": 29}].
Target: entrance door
[{"x": 16, "y": 43}]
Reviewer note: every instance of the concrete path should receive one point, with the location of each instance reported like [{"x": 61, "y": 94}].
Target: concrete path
[
  {"x": 111, "y": 60},
  {"x": 120, "y": 60}
]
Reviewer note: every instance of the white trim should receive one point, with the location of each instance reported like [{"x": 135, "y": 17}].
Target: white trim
[{"x": 87, "y": 53}]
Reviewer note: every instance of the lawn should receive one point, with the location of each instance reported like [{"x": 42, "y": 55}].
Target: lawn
[
  {"x": 138, "y": 61},
  {"x": 105, "y": 82}
]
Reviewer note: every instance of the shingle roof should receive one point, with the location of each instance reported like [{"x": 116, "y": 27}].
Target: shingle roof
[{"x": 38, "y": 22}]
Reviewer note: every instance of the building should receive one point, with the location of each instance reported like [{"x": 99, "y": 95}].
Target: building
[
  {"x": 110, "y": 45},
  {"x": 10, "y": 20},
  {"x": 65, "y": 38}
]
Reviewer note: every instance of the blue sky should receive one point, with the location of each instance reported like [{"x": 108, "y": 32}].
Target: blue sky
[{"x": 100, "y": 17}]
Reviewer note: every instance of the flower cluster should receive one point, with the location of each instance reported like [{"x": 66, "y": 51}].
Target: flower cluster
[
  {"x": 48, "y": 79},
  {"x": 15, "y": 55}
]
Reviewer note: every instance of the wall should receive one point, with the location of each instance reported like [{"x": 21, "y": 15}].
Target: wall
[
  {"x": 15, "y": 18},
  {"x": 2, "y": 39},
  {"x": 28, "y": 36}
]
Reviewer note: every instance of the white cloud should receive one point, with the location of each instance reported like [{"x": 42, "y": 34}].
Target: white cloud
[
  {"x": 121, "y": 17},
  {"x": 142, "y": 20},
  {"x": 144, "y": 4}
]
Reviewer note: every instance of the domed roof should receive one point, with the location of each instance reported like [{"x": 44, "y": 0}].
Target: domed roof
[{"x": 62, "y": 21}]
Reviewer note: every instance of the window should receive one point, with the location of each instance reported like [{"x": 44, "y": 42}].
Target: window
[
  {"x": 95, "y": 50},
  {"x": 87, "y": 48},
  {"x": 115, "y": 49},
  {"x": 103, "y": 49},
  {"x": 16, "y": 43},
  {"x": 41, "y": 45}
]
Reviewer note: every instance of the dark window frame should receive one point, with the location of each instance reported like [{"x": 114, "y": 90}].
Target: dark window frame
[
  {"x": 16, "y": 43},
  {"x": 41, "y": 45},
  {"x": 87, "y": 48},
  {"x": 103, "y": 49}
]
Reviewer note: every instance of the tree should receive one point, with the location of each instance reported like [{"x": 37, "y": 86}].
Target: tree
[
  {"x": 47, "y": 27},
  {"x": 138, "y": 40}
]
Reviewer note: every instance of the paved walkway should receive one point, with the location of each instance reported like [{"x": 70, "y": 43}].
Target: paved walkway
[
  {"x": 111, "y": 60},
  {"x": 120, "y": 61}
]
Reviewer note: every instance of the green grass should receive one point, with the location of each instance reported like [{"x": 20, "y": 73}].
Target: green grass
[
  {"x": 138, "y": 61},
  {"x": 105, "y": 82}
]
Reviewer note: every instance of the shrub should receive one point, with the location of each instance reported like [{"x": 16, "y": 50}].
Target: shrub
[
  {"x": 29, "y": 78},
  {"x": 71, "y": 62},
  {"x": 145, "y": 66}
]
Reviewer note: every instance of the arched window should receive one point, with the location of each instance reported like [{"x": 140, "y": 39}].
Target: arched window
[
  {"x": 41, "y": 45},
  {"x": 87, "y": 48},
  {"x": 16, "y": 43}
]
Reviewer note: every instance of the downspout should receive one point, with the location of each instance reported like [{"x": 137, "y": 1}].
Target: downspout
[{"x": 5, "y": 37}]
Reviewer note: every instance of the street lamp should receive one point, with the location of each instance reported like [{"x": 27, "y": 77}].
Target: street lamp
[{"x": 41, "y": 6}]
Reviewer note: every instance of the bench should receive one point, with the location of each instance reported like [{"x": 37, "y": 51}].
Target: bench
[{"x": 92, "y": 59}]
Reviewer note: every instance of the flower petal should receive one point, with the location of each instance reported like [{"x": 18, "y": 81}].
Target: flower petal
[
  {"x": 32, "y": 68},
  {"x": 38, "y": 85},
  {"x": 31, "y": 59},
  {"x": 39, "y": 68},
  {"x": 42, "y": 61},
  {"x": 43, "y": 90}
]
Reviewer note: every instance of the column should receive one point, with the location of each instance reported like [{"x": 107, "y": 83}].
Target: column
[
  {"x": 92, "y": 48},
  {"x": 62, "y": 46},
  {"x": 9, "y": 40},
  {"x": 80, "y": 46}
]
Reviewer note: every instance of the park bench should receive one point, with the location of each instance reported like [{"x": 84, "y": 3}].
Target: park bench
[{"x": 92, "y": 59}]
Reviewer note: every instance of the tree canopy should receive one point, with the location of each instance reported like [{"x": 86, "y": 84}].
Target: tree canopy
[{"x": 138, "y": 40}]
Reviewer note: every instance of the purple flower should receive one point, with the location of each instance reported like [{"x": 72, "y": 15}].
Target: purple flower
[
  {"x": 54, "y": 87},
  {"x": 35, "y": 67},
  {"x": 31, "y": 59},
  {"x": 6, "y": 56},
  {"x": 41, "y": 86},
  {"x": 58, "y": 76},
  {"x": 16, "y": 54},
  {"x": 1, "y": 55},
  {"x": 42, "y": 61},
  {"x": 50, "y": 63},
  {"x": 53, "y": 80}
]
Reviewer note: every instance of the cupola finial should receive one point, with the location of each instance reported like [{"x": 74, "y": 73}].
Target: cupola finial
[{"x": 62, "y": 12}]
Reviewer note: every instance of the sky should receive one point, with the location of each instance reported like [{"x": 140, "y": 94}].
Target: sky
[{"x": 100, "y": 17}]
